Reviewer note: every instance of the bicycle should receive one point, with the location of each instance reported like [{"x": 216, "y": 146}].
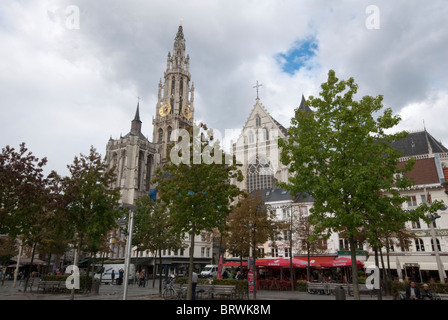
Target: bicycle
[{"x": 168, "y": 290}]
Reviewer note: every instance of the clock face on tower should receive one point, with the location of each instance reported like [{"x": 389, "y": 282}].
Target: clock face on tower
[
  {"x": 186, "y": 111},
  {"x": 165, "y": 109}
]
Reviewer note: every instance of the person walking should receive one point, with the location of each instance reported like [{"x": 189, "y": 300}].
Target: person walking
[
  {"x": 194, "y": 283},
  {"x": 120, "y": 276}
]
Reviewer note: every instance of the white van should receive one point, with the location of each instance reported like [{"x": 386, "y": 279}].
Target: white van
[
  {"x": 210, "y": 270},
  {"x": 106, "y": 273}
]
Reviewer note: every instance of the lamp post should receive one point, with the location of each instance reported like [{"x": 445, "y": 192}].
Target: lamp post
[
  {"x": 434, "y": 242},
  {"x": 251, "y": 260},
  {"x": 436, "y": 249},
  {"x": 128, "y": 248}
]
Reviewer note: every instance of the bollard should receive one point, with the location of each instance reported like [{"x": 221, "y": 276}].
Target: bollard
[
  {"x": 339, "y": 293},
  {"x": 96, "y": 286}
]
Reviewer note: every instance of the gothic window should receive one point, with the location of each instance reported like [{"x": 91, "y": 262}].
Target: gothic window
[
  {"x": 257, "y": 121},
  {"x": 148, "y": 171},
  {"x": 251, "y": 137},
  {"x": 141, "y": 163},
  {"x": 259, "y": 175},
  {"x": 266, "y": 134},
  {"x": 169, "y": 134},
  {"x": 160, "y": 139},
  {"x": 172, "y": 104},
  {"x": 181, "y": 93}
]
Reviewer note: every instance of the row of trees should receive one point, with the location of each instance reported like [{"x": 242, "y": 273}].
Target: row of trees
[
  {"x": 339, "y": 154},
  {"x": 50, "y": 213}
]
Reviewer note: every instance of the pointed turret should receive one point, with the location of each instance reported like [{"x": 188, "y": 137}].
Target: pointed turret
[
  {"x": 303, "y": 107},
  {"x": 136, "y": 124}
]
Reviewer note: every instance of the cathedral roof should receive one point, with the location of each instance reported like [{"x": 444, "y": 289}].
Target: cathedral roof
[
  {"x": 417, "y": 143},
  {"x": 278, "y": 194}
]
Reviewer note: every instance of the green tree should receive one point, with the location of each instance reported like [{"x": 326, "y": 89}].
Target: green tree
[
  {"x": 250, "y": 224},
  {"x": 153, "y": 229},
  {"x": 342, "y": 156},
  {"x": 196, "y": 187},
  {"x": 91, "y": 207},
  {"x": 26, "y": 199}
]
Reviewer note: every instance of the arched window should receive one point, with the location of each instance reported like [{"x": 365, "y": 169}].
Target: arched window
[
  {"x": 160, "y": 139},
  {"x": 257, "y": 121},
  {"x": 251, "y": 137},
  {"x": 141, "y": 165},
  {"x": 169, "y": 133},
  {"x": 266, "y": 134},
  {"x": 259, "y": 175}
]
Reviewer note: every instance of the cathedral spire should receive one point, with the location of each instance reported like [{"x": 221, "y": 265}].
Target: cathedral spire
[
  {"x": 175, "y": 100},
  {"x": 136, "y": 124}
]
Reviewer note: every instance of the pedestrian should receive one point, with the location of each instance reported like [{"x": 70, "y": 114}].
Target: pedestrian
[
  {"x": 194, "y": 282},
  {"x": 120, "y": 276},
  {"x": 142, "y": 279},
  {"x": 426, "y": 293},
  {"x": 113, "y": 276},
  {"x": 412, "y": 292}
]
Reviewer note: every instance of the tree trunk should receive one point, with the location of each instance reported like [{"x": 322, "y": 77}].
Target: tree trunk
[
  {"x": 379, "y": 294},
  {"x": 190, "y": 268},
  {"x": 354, "y": 269},
  {"x": 27, "y": 278},
  {"x": 386, "y": 278},
  {"x": 160, "y": 272},
  {"x": 75, "y": 263}
]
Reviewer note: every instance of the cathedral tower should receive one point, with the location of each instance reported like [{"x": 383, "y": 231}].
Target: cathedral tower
[
  {"x": 134, "y": 159},
  {"x": 174, "y": 109}
]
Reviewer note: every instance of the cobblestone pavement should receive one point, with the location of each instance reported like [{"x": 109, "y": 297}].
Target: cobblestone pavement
[{"x": 115, "y": 292}]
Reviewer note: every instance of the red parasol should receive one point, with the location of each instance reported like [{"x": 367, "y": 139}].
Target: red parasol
[
  {"x": 341, "y": 262},
  {"x": 234, "y": 264},
  {"x": 280, "y": 263}
]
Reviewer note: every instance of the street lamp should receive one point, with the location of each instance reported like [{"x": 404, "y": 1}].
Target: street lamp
[
  {"x": 436, "y": 249},
  {"x": 252, "y": 251},
  {"x": 128, "y": 246}
]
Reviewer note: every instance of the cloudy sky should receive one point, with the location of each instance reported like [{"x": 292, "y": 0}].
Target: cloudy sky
[{"x": 71, "y": 71}]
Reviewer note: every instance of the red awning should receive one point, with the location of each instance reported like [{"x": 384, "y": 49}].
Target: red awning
[
  {"x": 341, "y": 262},
  {"x": 280, "y": 263},
  {"x": 234, "y": 264},
  {"x": 316, "y": 261}
]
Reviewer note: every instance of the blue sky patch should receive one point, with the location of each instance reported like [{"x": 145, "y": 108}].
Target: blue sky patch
[{"x": 298, "y": 55}]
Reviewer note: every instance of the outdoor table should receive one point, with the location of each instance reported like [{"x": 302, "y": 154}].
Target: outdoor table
[{"x": 285, "y": 284}]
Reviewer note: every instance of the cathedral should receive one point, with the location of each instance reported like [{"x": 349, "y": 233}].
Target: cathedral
[{"x": 134, "y": 157}]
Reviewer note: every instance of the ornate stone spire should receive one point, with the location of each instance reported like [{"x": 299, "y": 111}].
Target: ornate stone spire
[{"x": 136, "y": 124}]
